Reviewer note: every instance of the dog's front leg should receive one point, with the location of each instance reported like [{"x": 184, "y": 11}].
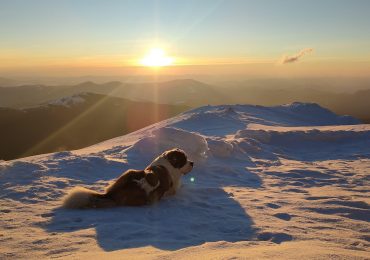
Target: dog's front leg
[
  {"x": 170, "y": 192},
  {"x": 154, "y": 197}
]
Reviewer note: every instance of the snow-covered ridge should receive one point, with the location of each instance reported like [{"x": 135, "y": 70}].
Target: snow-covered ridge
[
  {"x": 266, "y": 179},
  {"x": 70, "y": 100}
]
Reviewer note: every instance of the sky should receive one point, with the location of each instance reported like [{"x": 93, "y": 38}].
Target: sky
[{"x": 254, "y": 37}]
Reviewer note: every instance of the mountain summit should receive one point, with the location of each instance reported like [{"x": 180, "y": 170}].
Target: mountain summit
[{"x": 278, "y": 182}]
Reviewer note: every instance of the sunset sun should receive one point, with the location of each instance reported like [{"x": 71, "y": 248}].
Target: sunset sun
[{"x": 156, "y": 58}]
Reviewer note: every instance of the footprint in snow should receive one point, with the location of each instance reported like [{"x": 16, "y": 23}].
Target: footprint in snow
[
  {"x": 273, "y": 205},
  {"x": 283, "y": 216},
  {"x": 46, "y": 215},
  {"x": 274, "y": 237}
]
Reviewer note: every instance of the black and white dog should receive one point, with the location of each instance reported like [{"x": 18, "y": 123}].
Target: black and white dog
[{"x": 137, "y": 187}]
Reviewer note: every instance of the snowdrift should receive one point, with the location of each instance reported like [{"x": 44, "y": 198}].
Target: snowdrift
[{"x": 267, "y": 182}]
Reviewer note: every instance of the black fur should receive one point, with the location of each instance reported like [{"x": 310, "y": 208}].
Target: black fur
[
  {"x": 177, "y": 158},
  {"x": 159, "y": 175}
]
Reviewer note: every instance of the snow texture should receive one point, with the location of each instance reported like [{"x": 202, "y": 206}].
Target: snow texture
[{"x": 288, "y": 182}]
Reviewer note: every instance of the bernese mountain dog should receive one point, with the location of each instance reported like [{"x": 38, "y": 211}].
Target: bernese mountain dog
[{"x": 136, "y": 187}]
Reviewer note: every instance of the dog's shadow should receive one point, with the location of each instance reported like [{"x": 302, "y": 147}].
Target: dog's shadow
[{"x": 200, "y": 212}]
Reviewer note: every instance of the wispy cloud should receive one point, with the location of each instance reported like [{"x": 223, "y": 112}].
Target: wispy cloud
[{"x": 294, "y": 58}]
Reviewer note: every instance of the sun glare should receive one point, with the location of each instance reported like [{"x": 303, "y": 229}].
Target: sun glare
[{"x": 156, "y": 58}]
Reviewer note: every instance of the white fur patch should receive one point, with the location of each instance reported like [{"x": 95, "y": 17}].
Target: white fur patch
[
  {"x": 175, "y": 174},
  {"x": 144, "y": 184}
]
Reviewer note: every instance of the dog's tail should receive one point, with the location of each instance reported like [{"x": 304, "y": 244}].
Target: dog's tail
[{"x": 82, "y": 198}]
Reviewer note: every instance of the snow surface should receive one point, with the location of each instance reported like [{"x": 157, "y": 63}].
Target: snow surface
[{"x": 284, "y": 182}]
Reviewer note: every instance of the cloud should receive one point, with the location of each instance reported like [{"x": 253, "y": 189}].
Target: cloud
[{"x": 294, "y": 58}]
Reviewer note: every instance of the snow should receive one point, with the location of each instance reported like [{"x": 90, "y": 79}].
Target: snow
[
  {"x": 70, "y": 100},
  {"x": 287, "y": 182}
]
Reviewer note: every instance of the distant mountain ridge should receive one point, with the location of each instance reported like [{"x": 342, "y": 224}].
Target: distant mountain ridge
[
  {"x": 74, "y": 122},
  {"x": 70, "y": 101},
  {"x": 194, "y": 93},
  {"x": 189, "y": 92}
]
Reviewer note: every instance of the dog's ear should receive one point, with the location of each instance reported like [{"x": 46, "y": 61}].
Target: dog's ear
[{"x": 176, "y": 157}]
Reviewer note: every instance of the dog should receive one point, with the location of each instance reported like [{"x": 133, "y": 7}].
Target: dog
[{"x": 136, "y": 187}]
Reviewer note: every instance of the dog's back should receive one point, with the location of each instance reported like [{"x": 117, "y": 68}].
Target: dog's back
[
  {"x": 126, "y": 190},
  {"x": 132, "y": 188}
]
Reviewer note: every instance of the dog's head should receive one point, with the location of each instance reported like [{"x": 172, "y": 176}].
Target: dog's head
[
  {"x": 179, "y": 160},
  {"x": 176, "y": 163}
]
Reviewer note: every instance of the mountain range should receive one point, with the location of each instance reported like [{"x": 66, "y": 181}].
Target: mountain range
[
  {"x": 74, "y": 122},
  {"x": 193, "y": 93}
]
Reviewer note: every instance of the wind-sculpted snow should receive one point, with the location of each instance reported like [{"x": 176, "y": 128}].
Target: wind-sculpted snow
[
  {"x": 222, "y": 120},
  {"x": 166, "y": 138},
  {"x": 312, "y": 144},
  {"x": 295, "y": 176}
]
